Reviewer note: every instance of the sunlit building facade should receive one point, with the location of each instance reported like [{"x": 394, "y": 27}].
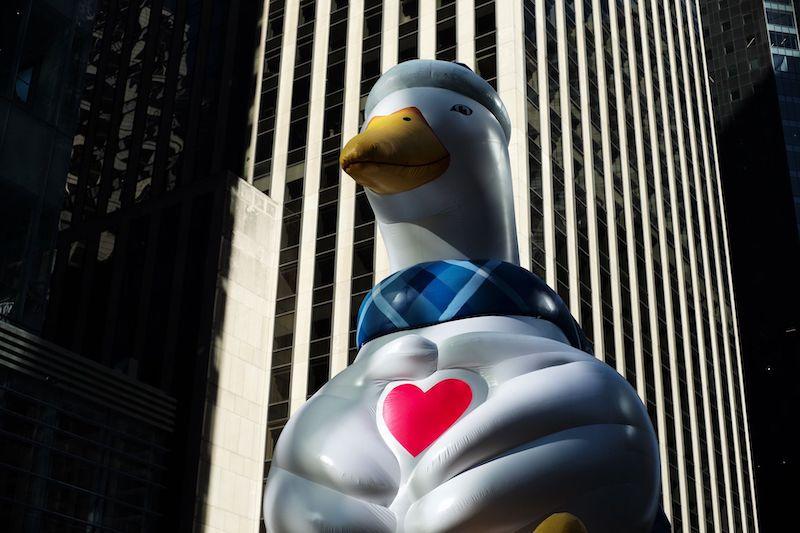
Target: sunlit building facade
[{"x": 617, "y": 197}]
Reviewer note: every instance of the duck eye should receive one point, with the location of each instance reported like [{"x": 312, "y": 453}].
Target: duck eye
[
  {"x": 407, "y": 119},
  {"x": 461, "y": 108}
]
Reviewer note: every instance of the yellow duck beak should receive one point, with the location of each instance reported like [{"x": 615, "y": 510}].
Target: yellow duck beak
[
  {"x": 396, "y": 153},
  {"x": 561, "y": 523}
]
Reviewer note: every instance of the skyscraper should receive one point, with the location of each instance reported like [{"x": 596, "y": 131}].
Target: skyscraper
[
  {"x": 124, "y": 129},
  {"x": 753, "y": 52},
  {"x": 43, "y": 53},
  {"x": 617, "y": 198}
]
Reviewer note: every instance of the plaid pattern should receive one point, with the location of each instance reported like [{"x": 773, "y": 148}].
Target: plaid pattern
[{"x": 439, "y": 291}]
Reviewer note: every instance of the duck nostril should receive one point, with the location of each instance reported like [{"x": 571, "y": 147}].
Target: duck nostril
[{"x": 407, "y": 119}]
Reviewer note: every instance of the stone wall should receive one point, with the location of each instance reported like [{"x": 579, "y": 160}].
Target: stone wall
[{"x": 231, "y": 470}]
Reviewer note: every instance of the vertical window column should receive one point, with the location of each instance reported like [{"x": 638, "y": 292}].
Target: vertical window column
[
  {"x": 603, "y": 337},
  {"x": 534, "y": 140},
  {"x": 556, "y": 151},
  {"x": 486, "y": 41},
  {"x": 574, "y": 191},
  {"x": 364, "y": 220},
  {"x": 408, "y": 47},
  {"x": 327, "y": 211},
  {"x": 646, "y": 156},
  {"x": 286, "y": 296},
  {"x": 269, "y": 96},
  {"x": 446, "y": 30}
]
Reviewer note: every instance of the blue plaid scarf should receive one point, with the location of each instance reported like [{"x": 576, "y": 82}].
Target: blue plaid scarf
[{"x": 440, "y": 291}]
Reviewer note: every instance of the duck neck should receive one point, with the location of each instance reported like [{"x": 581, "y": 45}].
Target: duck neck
[{"x": 454, "y": 217}]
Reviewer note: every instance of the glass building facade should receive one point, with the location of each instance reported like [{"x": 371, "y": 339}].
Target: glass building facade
[
  {"x": 154, "y": 143},
  {"x": 124, "y": 125},
  {"x": 43, "y": 52},
  {"x": 784, "y": 43},
  {"x": 618, "y": 202}
]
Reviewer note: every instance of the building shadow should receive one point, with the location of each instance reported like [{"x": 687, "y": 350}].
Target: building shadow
[{"x": 765, "y": 259}]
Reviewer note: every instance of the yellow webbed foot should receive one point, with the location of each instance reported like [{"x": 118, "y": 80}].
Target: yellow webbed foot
[{"x": 561, "y": 523}]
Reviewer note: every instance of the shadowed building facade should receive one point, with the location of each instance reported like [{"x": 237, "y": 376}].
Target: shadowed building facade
[
  {"x": 754, "y": 70},
  {"x": 151, "y": 273},
  {"x": 44, "y": 48},
  {"x": 617, "y": 199}
]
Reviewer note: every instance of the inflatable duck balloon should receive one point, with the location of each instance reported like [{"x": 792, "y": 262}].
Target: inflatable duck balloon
[
  {"x": 474, "y": 403},
  {"x": 433, "y": 158}
]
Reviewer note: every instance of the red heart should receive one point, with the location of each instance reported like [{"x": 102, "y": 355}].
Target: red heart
[{"x": 418, "y": 418}]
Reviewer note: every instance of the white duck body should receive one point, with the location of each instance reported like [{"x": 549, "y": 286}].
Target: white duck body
[
  {"x": 549, "y": 429},
  {"x": 467, "y": 212}
]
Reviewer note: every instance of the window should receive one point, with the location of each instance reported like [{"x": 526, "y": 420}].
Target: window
[
  {"x": 22, "y": 87},
  {"x": 336, "y": 76},
  {"x": 362, "y": 259},
  {"x": 363, "y": 213},
  {"x": 446, "y": 34},
  {"x": 279, "y": 386},
  {"x": 486, "y": 66},
  {"x": 274, "y": 26},
  {"x": 338, "y": 36},
  {"x": 330, "y": 174},
  {"x": 484, "y": 20},
  {"x": 321, "y": 321},
  {"x": 287, "y": 281},
  {"x": 300, "y": 91},
  {"x": 783, "y": 40},
  {"x": 317, "y": 374},
  {"x": 297, "y": 134},
  {"x": 272, "y": 439},
  {"x": 284, "y": 333},
  {"x": 306, "y": 13},
  {"x": 372, "y": 24},
  {"x": 304, "y": 51},
  {"x": 780, "y": 18},
  {"x": 407, "y": 48},
  {"x": 409, "y": 9},
  {"x": 272, "y": 64},
  {"x": 326, "y": 223},
  {"x": 371, "y": 65},
  {"x": 268, "y": 101},
  {"x": 333, "y": 121},
  {"x": 325, "y": 269},
  {"x": 294, "y": 182}
]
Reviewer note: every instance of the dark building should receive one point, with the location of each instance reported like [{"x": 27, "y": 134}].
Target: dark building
[
  {"x": 123, "y": 242},
  {"x": 43, "y": 49},
  {"x": 754, "y": 69},
  {"x": 83, "y": 448}
]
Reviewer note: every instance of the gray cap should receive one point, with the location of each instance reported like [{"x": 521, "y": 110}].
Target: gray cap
[{"x": 442, "y": 74}]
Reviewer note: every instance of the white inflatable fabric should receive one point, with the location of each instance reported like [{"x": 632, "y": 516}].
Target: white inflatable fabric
[{"x": 551, "y": 430}]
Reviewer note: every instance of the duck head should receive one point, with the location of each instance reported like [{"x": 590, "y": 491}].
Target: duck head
[{"x": 433, "y": 157}]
